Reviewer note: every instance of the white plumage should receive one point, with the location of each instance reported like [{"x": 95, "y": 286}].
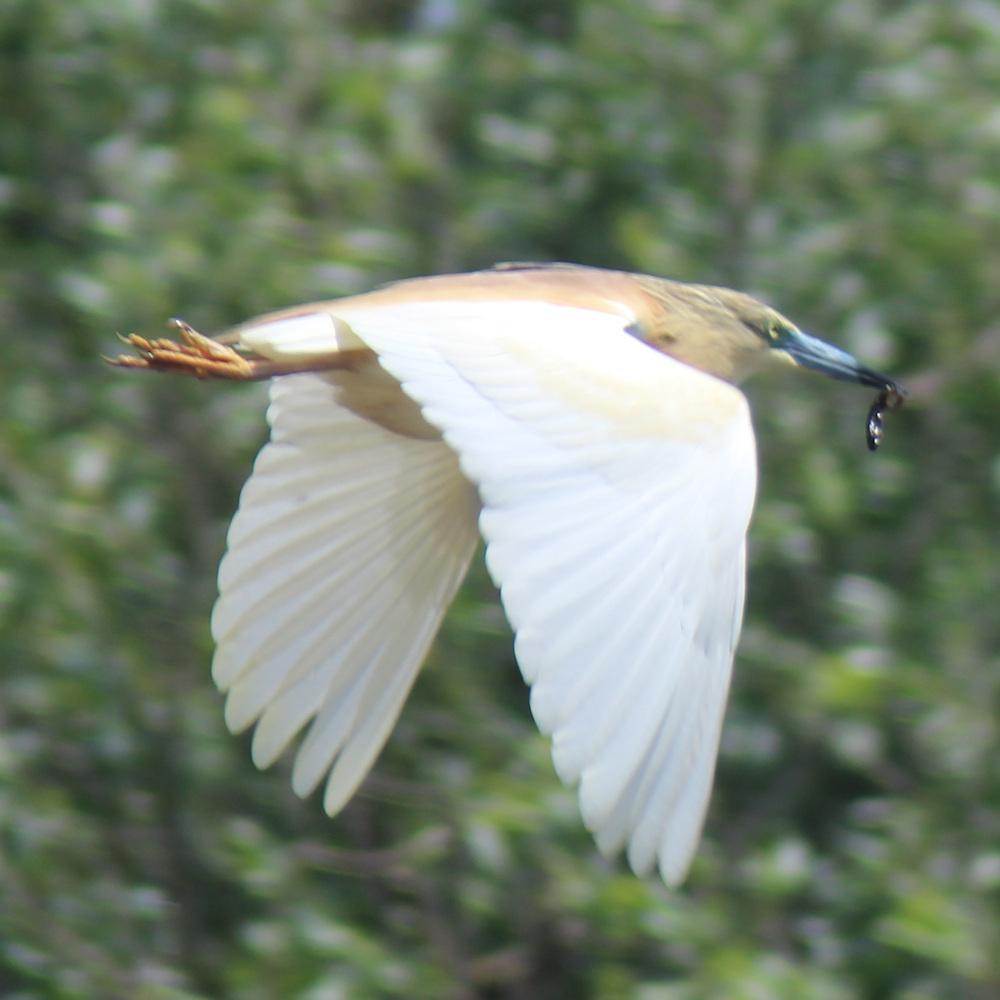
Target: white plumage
[
  {"x": 616, "y": 486},
  {"x": 346, "y": 551}
]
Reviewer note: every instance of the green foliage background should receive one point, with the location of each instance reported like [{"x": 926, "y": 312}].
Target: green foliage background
[{"x": 217, "y": 159}]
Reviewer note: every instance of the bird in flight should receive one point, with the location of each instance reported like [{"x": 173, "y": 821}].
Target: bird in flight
[{"x": 587, "y": 424}]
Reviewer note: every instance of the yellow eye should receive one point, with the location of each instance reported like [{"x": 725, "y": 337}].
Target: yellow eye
[{"x": 778, "y": 331}]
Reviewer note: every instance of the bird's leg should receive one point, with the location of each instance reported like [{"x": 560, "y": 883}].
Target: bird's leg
[
  {"x": 195, "y": 354},
  {"x": 191, "y": 354}
]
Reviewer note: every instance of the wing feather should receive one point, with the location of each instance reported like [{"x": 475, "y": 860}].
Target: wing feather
[
  {"x": 617, "y": 486},
  {"x": 347, "y": 548}
]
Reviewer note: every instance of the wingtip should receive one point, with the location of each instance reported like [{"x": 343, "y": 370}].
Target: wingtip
[
  {"x": 237, "y": 715},
  {"x": 674, "y": 870}
]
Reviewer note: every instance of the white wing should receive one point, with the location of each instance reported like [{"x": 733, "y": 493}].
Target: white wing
[
  {"x": 347, "y": 549},
  {"x": 617, "y": 486}
]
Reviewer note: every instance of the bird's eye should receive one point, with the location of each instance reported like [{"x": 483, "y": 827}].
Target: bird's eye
[{"x": 776, "y": 331}]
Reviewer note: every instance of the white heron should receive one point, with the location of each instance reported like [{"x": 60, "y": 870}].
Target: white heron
[{"x": 587, "y": 424}]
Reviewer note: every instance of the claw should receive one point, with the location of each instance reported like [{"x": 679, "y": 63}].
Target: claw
[{"x": 204, "y": 345}]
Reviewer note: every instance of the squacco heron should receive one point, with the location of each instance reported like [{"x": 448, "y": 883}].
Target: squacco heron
[{"x": 587, "y": 424}]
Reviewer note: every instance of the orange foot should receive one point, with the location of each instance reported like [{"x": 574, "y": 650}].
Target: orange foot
[{"x": 195, "y": 355}]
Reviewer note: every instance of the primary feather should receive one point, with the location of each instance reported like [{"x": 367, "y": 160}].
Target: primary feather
[{"x": 348, "y": 546}]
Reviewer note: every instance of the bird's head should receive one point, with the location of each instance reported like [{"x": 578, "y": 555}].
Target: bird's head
[{"x": 732, "y": 335}]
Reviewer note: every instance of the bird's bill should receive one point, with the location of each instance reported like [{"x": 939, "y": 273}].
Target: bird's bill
[{"x": 811, "y": 352}]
